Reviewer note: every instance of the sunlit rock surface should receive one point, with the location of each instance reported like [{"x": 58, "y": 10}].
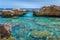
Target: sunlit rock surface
[
  {"x": 49, "y": 11},
  {"x": 12, "y": 13},
  {"x": 7, "y": 13}
]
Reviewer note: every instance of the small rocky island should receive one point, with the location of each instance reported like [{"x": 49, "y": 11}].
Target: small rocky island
[{"x": 48, "y": 11}]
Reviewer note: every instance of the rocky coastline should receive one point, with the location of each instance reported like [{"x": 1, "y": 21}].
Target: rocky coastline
[
  {"x": 15, "y": 12},
  {"x": 51, "y": 10}
]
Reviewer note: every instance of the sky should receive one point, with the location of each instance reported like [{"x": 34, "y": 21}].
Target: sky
[{"x": 27, "y": 3}]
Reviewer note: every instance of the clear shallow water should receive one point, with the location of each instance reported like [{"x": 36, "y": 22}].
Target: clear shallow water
[{"x": 22, "y": 26}]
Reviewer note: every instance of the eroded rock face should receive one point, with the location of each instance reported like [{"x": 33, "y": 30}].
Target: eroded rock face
[
  {"x": 49, "y": 11},
  {"x": 5, "y": 30}
]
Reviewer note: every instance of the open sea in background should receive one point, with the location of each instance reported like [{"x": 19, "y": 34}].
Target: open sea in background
[
  {"x": 20, "y": 8},
  {"x": 22, "y": 26}
]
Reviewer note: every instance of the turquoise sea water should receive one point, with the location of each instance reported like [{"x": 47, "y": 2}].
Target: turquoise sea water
[{"x": 22, "y": 26}]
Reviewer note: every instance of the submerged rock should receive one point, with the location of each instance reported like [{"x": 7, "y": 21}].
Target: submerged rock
[
  {"x": 10, "y": 38},
  {"x": 52, "y": 38},
  {"x": 40, "y": 34},
  {"x": 5, "y": 30}
]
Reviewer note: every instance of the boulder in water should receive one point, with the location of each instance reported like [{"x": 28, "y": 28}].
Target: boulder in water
[
  {"x": 18, "y": 12},
  {"x": 7, "y": 13},
  {"x": 40, "y": 34},
  {"x": 5, "y": 30},
  {"x": 49, "y": 11}
]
